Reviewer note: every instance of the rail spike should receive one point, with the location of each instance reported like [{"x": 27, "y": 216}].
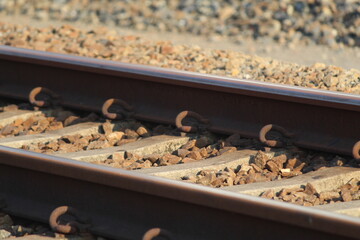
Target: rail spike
[
  {"x": 273, "y": 143},
  {"x": 180, "y": 117},
  {"x": 356, "y": 150},
  {"x": 41, "y": 103},
  {"x": 127, "y": 109},
  {"x": 71, "y": 227},
  {"x": 155, "y": 232}
]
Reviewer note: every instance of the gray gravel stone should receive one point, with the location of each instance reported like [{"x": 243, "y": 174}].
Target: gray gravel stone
[
  {"x": 333, "y": 23},
  {"x": 4, "y": 234}
]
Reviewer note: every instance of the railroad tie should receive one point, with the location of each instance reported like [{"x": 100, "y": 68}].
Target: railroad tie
[
  {"x": 152, "y": 145},
  {"x": 323, "y": 180},
  {"x": 230, "y": 160},
  {"x": 349, "y": 208},
  {"x": 81, "y": 128},
  {"x": 10, "y": 116}
]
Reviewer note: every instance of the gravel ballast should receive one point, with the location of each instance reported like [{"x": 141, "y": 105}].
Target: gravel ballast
[
  {"x": 332, "y": 23},
  {"x": 201, "y": 146},
  {"x": 104, "y": 44},
  {"x": 309, "y": 196},
  {"x": 48, "y": 120},
  {"x": 264, "y": 169}
]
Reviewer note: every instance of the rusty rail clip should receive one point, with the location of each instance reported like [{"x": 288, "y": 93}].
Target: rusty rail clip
[
  {"x": 356, "y": 150},
  {"x": 155, "y": 232},
  {"x": 41, "y": 103},
  {"x": 121, "y": 113},
  {"x": 71, "y": 227},
  {"x": 273, "y": 143},
  {"x": 180, "y": 117}
]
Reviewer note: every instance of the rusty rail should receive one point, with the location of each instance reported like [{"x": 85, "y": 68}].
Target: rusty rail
[
  {"x": 122, "y": 204},
  {"x": 320, "y": 120}
]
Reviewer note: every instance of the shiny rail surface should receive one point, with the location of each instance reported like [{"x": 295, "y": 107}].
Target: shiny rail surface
[{"x": 125, "y": 204}]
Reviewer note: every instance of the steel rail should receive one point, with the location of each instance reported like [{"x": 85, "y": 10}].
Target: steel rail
[
  {"x": 123, "y": 204},
  {"x": 317, "y": 119}
]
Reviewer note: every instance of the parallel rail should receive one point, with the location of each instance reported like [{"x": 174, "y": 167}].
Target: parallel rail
[
  {"x": 320, "y": 120},
  {"x": 116, "y": 201},
  {"x": 124, "y": 205}
]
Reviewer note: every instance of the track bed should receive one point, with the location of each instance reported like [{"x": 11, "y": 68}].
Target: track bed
[{"x": 139, "y": 172}]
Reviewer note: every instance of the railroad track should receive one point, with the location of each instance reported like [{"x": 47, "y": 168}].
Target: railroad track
[{"x": 142, "y": 101}]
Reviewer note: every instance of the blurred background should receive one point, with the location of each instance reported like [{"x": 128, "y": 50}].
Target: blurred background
[
  {"x": 305, "y": 32},
  {"x": 308, "y": 43}
]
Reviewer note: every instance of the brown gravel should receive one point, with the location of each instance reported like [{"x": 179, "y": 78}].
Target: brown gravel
[
  {"x": 200, "y": 147},
  {"x": 32, "y": 125},
  {"x": 110, "y": 136},
  {"x": 333, "y": 23},
  {"x": 104, "y": 44},
  {"x": 309, "y": 196},
  {"x": 263, "y": 169},
  {"x": 48, "y": 121}
]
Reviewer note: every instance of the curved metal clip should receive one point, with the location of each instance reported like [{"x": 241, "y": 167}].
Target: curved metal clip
[
  {"x": 41, "y": 103},
  {"x": 180, "y": 117},
  {"x": 273, "y": 143},
  {"x": 356, "y": 150},
  {"x": 121, "y": 114},
  {"x": 71, "y": 227},
  {"x": 155, "y": 232}
]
